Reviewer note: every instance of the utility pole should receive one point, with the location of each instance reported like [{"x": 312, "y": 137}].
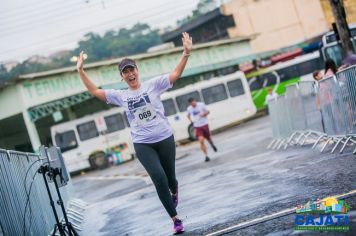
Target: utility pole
[{"x": 337, "y": 7}]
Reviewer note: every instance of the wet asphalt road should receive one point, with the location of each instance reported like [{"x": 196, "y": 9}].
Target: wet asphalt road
[{"x": 242, "y": 182}]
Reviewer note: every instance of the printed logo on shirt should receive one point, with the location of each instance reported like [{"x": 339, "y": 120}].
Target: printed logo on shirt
[
  {"x": 141, "y": 110},
  {"x": 196, "y": 112}
]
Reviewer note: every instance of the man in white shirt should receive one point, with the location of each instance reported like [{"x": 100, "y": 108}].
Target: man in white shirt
[
  {"x": 270, "y": 96},
  {"x": 197, "y": 114}
]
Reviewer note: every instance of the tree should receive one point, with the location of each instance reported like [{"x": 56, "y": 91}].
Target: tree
[
  {"x": 122, "y": 42},
  {"x": 202, "y": 7},
  {"x": 3, "y": 73},
  {"x": 339, "y": 13}
]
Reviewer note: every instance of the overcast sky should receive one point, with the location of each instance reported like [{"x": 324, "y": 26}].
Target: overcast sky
[{"x": 29, "y": 27}]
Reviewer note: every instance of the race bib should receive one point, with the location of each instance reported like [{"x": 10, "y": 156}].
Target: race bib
[{"x": 145, "y": 114}]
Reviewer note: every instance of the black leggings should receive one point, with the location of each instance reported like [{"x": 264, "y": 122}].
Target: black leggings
[{"x": 159, "y": 161}]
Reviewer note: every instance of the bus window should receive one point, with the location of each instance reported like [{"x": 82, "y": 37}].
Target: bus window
[
  {"x": 288, "y": 73},
  {"x": 66, "y": 140},
  {"x": 169, "y": 107},
  {"x": 270, "y": 78},
  {"x": 214, "y": 94},
  {"x": 309, "y": 66},
  {"x": 114, "y": 122},
  {"x": 182, "y": 100},
  {"x": 256, "y": 83},
  {"x": 235, "y": 88},
  {"x": 87, "y": 131}
]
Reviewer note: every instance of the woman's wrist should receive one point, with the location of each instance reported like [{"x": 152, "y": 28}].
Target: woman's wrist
[{"x": 186, "y": 54}]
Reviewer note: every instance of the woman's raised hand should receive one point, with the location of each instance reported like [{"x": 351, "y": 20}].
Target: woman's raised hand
[
  {"x": 80, "y": 61},
  {"x": 187, "y": 42}
]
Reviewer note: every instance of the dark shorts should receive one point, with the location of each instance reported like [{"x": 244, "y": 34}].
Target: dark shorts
[{"x": 202, "y": 131}]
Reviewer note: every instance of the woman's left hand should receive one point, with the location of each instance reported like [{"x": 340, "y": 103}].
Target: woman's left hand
[{"x": 187, "y": 42}]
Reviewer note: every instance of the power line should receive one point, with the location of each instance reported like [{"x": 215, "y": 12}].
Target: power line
[
  {"x": 24, "y": 10},
  {"x": 43, "y": 18},
  {"x": 161, "y": 11}
]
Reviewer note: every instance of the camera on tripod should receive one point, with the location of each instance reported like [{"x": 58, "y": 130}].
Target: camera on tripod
[
  {"x": 52, "y": 161},
  {"x": 53, "y": 170}
]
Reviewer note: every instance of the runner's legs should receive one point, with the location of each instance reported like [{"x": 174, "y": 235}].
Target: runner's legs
[{"x": 150, "y": 160}]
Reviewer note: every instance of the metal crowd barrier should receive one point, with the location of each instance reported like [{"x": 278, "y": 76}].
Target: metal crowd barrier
[
  {"x": 312, "y": 112},
  {"x": 281, "y": 125},
  {"x": 321, "y": 112},
  {"x": 24, "y": 201},
  {"x": 295, "y": 110},
  {"x": 347, "y": 83},
  {"x": 305, "y": 114}
]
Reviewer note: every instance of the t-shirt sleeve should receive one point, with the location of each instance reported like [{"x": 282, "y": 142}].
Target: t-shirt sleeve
[
  {"x": 188, "y": 111},
  {"x": 162, "y": 83},
  {"x": 113, "y": 97},
  {"x": 203, "y": 107}
]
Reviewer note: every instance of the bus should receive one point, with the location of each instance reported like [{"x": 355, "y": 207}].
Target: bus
[
  {"x": 91, "y": 141},
  {"x": 331, "y": 47},
  {"x": 282, "y": 74},
  {"x": 228, "y": 99},
  {"x": 87, "y": 142}
]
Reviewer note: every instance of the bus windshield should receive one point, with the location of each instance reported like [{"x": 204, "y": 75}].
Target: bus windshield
[
  {"x": 332, "y": 49},
  {"x": 66, "y": 140},
  {"x": 334, "y": 52}
]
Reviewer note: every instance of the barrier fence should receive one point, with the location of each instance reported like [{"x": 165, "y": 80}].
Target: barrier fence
[
  {"x": 24, "y": 200},
  {"x": 318, "y": 113}
]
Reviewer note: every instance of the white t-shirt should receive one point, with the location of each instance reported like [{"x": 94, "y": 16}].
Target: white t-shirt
[
  {"x": 195, "y": 114},
  {"x": 270, "y": 97},
  {"x": 144, "y": 109}
]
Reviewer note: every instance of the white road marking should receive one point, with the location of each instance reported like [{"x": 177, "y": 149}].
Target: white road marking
[
  {"x": 280, "y": 213},
  {"x": 146, "y": 179}
]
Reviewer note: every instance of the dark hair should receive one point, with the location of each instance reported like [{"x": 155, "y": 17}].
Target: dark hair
[
  {"x": 191, "y": 100},
  {"x": 330, "y": 64},
  {"x": 315, "y": 74}
]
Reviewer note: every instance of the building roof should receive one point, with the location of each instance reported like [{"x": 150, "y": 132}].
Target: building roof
[
  {"x": 192, "y": 24},
  {"x": 135, "y": 57}
]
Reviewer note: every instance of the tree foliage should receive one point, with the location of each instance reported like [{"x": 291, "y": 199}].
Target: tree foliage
[{"x": 112, "y": 44}]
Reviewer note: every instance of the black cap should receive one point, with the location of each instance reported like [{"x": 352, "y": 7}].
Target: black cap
[{"x": 125, "y": 63}]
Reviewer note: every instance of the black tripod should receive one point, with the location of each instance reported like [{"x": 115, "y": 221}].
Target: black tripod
[{"x": 52, "y": 174}]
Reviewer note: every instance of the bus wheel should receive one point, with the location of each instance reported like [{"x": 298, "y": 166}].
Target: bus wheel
[
  {"x": 98, "y": 161},
  {"x": 191, "y": 133}
]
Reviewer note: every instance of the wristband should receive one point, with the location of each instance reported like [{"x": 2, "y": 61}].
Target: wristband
[{"x": 186, "y": 54}]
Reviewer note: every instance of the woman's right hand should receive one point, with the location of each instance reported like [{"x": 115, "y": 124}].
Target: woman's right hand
[{"x": 80, "y": 61}]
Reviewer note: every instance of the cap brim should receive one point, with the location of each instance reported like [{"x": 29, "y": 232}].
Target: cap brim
[{"x": 123, "y": 68}]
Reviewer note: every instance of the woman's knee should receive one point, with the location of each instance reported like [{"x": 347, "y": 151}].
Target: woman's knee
[{"x": 159, "y": 181}]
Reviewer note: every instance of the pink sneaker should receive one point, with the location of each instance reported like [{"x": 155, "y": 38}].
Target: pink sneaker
[{"x": 178, "y": 227}]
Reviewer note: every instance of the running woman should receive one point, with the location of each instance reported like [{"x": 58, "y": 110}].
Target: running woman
[
  {"x": 197, "y": 114},
  {"x": 151, "y": 133}
]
